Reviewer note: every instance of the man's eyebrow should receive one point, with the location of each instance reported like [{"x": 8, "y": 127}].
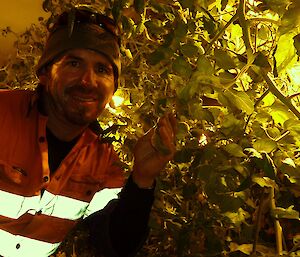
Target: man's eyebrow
[
  {"x": 106, "y": 63},
  {"x": 72, "y": 56},
  {"x": 75, "y": 57}
]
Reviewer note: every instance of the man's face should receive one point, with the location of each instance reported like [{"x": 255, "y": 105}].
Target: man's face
[{"x": 79, "y": 86}]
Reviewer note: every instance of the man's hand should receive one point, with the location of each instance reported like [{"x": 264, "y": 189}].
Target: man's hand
[{"x": 153, "y": 151}]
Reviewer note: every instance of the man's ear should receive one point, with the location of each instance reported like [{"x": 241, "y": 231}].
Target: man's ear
[
  {"x": 43, "y": 78},
  {"x": 44, "y": 75}
]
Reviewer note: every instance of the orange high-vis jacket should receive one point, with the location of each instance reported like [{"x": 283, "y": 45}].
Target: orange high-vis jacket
[{"x": 34, "y": 224}]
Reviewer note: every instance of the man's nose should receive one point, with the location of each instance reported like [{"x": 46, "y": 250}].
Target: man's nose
[{"x": 88, "y": 78}]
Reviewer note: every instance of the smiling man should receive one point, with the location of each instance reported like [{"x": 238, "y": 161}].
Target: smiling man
[
  {"x": 78, "y": 86},
  {"x": 55, "y": 168}
]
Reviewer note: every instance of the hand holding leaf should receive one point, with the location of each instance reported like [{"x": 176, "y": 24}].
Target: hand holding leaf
[{"x": 154, "y": 150}]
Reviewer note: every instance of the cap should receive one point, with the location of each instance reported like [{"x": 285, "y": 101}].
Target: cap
[{"x": 84, "y": 35}]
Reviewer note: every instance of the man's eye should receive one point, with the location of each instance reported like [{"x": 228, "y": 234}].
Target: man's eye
[
  {"x": 102, "y": 69},
  {"x": 74, "y": 63}
]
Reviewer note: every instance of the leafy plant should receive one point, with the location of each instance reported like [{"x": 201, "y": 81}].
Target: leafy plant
[{"x": 230, "y": 71}]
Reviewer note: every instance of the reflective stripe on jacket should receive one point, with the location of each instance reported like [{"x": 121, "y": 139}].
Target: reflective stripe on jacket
[{"x": 33, "y": 224}]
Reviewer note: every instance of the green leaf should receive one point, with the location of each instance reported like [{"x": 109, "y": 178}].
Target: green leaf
[
  {"x": 235, "y": 150},
  {"x": 209, "y": 26},
  {"x": 180, "y": 30},
  {"x": 201, "y": 82},
  {"x": 289, "y": 162},
  {"x": 226, "y": 202},
  {"x": 268, "y": 166},
  {"x": 265, "y": 182},
  {"x": 281, "y": 213},
  {"x": 236, "y": 32},
  {"x": 189, "y": 50},
  {"x": 265, "y": 145},
  {"x": 280, "y": 113},
  {"x": 155, "y": 26},
  {"x": 269, "y": 99},
  {"x": 244, "y": 248},
  {"x": 204, "y": 65},
  {"x": 197, "y": 112},
  {"x": 274, "y": 132},
  {"x": 139, "y": 5},
  {"x": 237, "y": 217},
  {"x": 189, "y": 190},
  {"x": 223, "y": 4},
  {"x": 292, "y": 172},
  {"x": 184, "y": 94},
  {"x": 232, "y": 125},
  {"x": 245, "y": 184},
  {"x": 290, "y": 19},
  {"x": 183, "y": 156},
  {"x": 240, "y": 100},
  {"x": 278, "y": 6},
  {"x": 264, "y": 33},
  {"x": 204, "y": 172},
  {"x": 182, "y": 67},
  {"x": 224, "y": 60},
  {"x": 187, "y": 3},
  {"x": 128, "y": 24},
  {"x": 297, "y": 43},
  {"x": 160, "y": 54},
  {"x": 293, "y": 126},
  {"x": 285, "y": 52},
  {"x": 182, "y": 130},
  {"x": 116, "y": 10},
  {"x": 263, "y": 61}
]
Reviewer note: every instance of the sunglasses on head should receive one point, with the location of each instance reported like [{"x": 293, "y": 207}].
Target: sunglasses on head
[{"x": 87, "y": 15}]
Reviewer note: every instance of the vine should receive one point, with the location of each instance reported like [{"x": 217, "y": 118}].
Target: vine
[{"x": 217, "y": 63}]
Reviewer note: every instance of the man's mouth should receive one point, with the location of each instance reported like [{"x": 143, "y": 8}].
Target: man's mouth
[
  {"x": 82, "y": 95},
  {"x": 84, "y": 98}
]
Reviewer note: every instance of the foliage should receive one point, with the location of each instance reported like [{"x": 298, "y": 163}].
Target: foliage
[{"x": 229, "y": 69}]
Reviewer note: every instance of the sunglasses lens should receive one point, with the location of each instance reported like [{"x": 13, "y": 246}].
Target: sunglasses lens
[{"x": 85, "y": 16}]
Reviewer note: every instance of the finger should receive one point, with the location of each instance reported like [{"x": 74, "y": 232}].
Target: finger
[
  {"x": 170, "y": 122},
  {"x": 167, "y": 139},
  {"x": 160, "y": 142},
  {"x": 149, "y": 134},
  {"x": 173, "y": 121},
  {"x": 167, "y": 121}
]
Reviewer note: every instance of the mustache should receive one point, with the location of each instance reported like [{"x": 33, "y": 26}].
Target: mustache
[{"x": 80, "y": 89}]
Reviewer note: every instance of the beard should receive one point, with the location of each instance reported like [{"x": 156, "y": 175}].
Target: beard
[{"x": 77, "y": 105}]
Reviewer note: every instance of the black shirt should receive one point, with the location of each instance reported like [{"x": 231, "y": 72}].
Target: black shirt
[
  {"x": 121, "y": 228},
  {"x": 57, "y": 150}
]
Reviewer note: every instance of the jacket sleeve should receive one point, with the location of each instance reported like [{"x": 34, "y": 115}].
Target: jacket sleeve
[{"x": 121, "y": 228}]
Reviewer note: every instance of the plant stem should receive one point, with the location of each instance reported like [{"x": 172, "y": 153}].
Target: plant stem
[
  {"x": 263, "y": 201},
  {"x": 208, "y": 13},
  {"x": 282, "y": 136},
  {"x": 264, "y": 94},
  {"x": 243, "y": 70},
  {"x": 220, "y": 33},
  {"x": 278, "y": 228},
  {"x": 274, "y": 90},
  {"x": 241, "y": 12},
  {"x": 261, "y": 19},
  {"x": 294, "y": 95}
]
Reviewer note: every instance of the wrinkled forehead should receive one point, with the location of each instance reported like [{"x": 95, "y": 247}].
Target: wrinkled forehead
[{"x": 87, "y": 55}]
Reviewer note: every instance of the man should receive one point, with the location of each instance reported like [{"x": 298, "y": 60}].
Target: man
[{"x": 55, "y": 168}]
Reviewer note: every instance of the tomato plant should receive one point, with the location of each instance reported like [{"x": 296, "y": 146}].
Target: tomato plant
[{"x": 230, "y": 71}]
